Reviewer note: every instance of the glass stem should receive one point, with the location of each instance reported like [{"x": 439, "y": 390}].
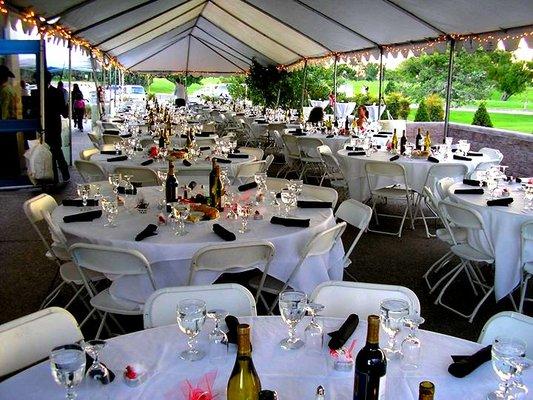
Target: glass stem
[
  {"x": 292, "y": 333},
  {"x": 71, "y": 393}
]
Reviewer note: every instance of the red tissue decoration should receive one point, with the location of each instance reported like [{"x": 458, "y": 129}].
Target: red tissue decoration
[{"x": 154, "y": 151}]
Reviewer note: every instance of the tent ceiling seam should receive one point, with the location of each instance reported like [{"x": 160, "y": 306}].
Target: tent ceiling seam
[
  {"x": 221, "y": 55},
  {"x": 188, "y": 52},
  {"x": 415, "y": 17},
  {"x": 158, "y": 51},
  {"x": 75, "y": 7},
  {"x": 224, "y": 43},
  {"x": 247, "y": 61}
]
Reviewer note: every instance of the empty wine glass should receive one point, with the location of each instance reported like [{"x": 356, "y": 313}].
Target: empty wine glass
[
  {"x": 191, "y": 315},
  {"x": 162, "y": 176},
  {"x": 411, "y": 344},
  {"x": 83, "y": 191},
  {"x": 392, "y": 312},
  {"x": 286, "y": 199},
  {"x": 505, "y": 352},
  {"x": 114, "y": 180},
  {"x": 180, "y": 212},
  {"x": 218, "y": 340},
  {"x": 110, "y": 207},
  {"x": 314, "y": 333},
  {"x": 244, "y": 211},
  {"x": 297, "y": 186},
  {"x": 68, "y": 366},
  {"x": 292, "y": 307},
  {"x": 97, "y": 369}
]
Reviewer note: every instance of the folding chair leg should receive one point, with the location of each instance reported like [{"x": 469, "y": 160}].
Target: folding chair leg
[
  {"x": 523, "y": 290},
  {"x": 457, "y": 272},
  {"x": 114, "y": 319},
  {"x": 441, "y": 260},
  {"x": 350, "y": 275},
  {"x": 101, "y": 326},
  {"x": 52, "y": 295},
  {"x": 91, "y": 313}
]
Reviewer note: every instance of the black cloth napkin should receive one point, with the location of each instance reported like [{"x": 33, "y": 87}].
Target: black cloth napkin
[
  {"x": 330, "y": 136},
  {"x": 203, "y": 148},
  {"x": 187, "y": 163},
  {"x": 471, "y": 182},
  {"x": 433, "y": 159},
  {"x": 113, "y": 132},
  {"x": 394, "y": 158},
  {"x": 119, "y": 158},
  {"x": 223, "y": 160},
  {"x": 299, "y": 134},
  {"x": 299, "y": 223},
  {"x": 380, "y": 135},
  {"x": 147, "y": 162},
  {"x": 357, "y": 153},
  {"x": 469, "y": 191},
  {"x": 232, "y": 323},
  {"x": 111, "y": 152},
  {"x": 356, "y": 148},
  {"x": 79, "y": 203},
  {"x": 384, "y": 133},
  {"x": 203, "y": 134},
  {"x": 183, "y": 136},
  {"x": 126, "y": 136},
  {"x": 500, "y": 202},
  {"x": 314, "y": 204},
  {"x": 474, "y": 154},
  {"x": 247, "y": 186},
  {"x": 83, "y": 217},
  {"x": 341, "y": 336},
  {"x": 150, "y": 230},
  {"x": 458, "y": 157},
  {"x": 224, "y": 233},
  {"x": 122, "y": 190},
  {"x": 233, "y": 155},
  {"x": 464, "y": 365}
]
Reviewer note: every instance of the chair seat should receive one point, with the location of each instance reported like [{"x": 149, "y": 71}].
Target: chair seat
[
  {"x": 460, "y": 235},
  {"x": 271, "y": 285},
  {"x": 104, "y": 301},
  {"x": 69, "y": 273},
  {"x": 390, "y": 192},
  {"x": 467, "y": 252},
  {"x": 60, "y": 251}
]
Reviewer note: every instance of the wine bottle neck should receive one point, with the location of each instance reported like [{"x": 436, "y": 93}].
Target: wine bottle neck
[
  {"x": 244, "y": 347},
  {"x": 372, "y": 336}
]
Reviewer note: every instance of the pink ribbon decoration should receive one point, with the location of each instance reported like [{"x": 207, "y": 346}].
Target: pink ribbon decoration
[{"x": 203, "y": 390}]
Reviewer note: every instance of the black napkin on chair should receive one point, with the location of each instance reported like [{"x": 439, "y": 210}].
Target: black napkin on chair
[
  {"x": 469, "y": 191},
  {"x": 313, "y": 204},
  {"x": 79, "y": 203},
  {"x": 233, "y": 155},
  {"x": 471, "y": 182},
  {"x": 433, "y": 159},
  {"x": 223, "y": 160},
  {"x": 464, "y": 365},
  {"x": 357, "y": 153},
  {"x": 341, "y": 336},
  {"x": 232, "y": 323},
  {"x": 203, "y": 148},
  {"x": 203, "y": 134},
  {"x": 187, "y": 163},
  {"x": 290, "y": 222},
  {"x": 247, "y": 186},
  {"x": 111, "y": 152},
  {"x": 122, "y": 190},
  {"x": 147, "y": 162},
  {"x": 352, "y": 148},
  {"x": 150, "y": 230},
  {"x": 224, "y": 233},
  {"x": 83, "y": 217},
  {"x": 500, "y": 202},
  {"x": 119, "y": 158},
  {"x": 462, "y": 158},
  {"x": 474, "y": 154},
  {"x": 380, "y": 135},
  {"x": 394, "y": 158},
  {"x": 330, "y": 136}
]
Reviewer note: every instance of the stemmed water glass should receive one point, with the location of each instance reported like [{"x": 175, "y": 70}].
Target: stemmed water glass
[
  {"x": 218, "y": 340},
  {"x": 114, "y": 180},
  {"x": 411, "y": 344},
  {"x": 83, "y": 191},
  {"x": 286, "y": 199},
  {"x": 528, "y": 197},
  {"x": 506, "y": 352},
  {"x": 180, "y": 212},
  {"x": 97, "y": 369},
  {"x": 314, "y": 333},
  {"x": 244, "y": 211},
  {"x": 392, "y": 313},
  {"x": 110, "y": 209},
  {"x": 162, "y": 176},
  {"x": 191, "y": 315},
  {"x": 68, "y": 366},
  {"x": 292, "y": 306}
]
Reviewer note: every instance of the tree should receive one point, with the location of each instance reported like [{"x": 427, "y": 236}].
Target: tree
[
  {"x": 371, "y": 71},
  {"x": 482, "y": 117},
  {"x": 398, "y": 105},
  {"x": 236, "y": 86},
  {"x": 422, "y": 114},
  {"x": 264, "y": 83},
  {"x": 184, "y": 78},
  {"x": 435, "y": 107},
  {"x": 134, "y": 78},
  {"x": 511, "y": 77}
]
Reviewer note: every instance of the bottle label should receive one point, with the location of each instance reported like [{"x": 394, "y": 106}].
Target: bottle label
[{"x": 368, "y": 387}]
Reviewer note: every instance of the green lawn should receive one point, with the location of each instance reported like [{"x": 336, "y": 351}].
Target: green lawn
[
  {"x": 163, "y": 85},
  {"x": 515, "y": 102}
]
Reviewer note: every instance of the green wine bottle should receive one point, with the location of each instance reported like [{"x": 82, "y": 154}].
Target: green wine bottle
[{"x": 244, "y": 383}]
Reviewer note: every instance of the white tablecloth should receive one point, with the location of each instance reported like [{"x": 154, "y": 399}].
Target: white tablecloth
[
  {"x": 416, "y": 170},
  {"x": 342, "y": 110},
  {"x": 335, "y": 143},
  {"x": 503, "y": 229},
  {"x": 319, "y": 103},
  {"x": 170, "y": 255},
  {"x": 294, "y": 374},
  {"x": 373, "y": 112}
]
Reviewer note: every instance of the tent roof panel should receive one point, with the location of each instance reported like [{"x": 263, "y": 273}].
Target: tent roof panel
[{"x": 172, "y": 59}]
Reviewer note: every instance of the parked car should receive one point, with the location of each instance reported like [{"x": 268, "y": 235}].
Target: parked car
[{"x": 134, "y": 92}]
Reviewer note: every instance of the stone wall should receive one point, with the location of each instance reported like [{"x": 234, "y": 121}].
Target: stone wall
[{"x": 516, "y": 147}]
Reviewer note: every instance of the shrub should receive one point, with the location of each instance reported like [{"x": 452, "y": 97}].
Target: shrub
[
  {"x": 422, "y": 114},
  {"x": 397, "y": 105},
  {"x": 435, "y": 107},
  {"x": 482, "y": 117}
]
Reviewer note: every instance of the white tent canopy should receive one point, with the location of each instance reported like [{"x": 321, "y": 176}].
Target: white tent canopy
[{"x": 222, "y": 36}]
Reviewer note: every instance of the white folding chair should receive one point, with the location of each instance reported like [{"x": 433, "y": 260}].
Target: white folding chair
[
  {"x": 110, "y": 260},
  {"x": 310, "y": 156},
  {"x": 252, "y": 151},
  {"x": 508, "y": 323},
  {"x": 147, "y": 143},
  {"x": 86, "y": 154},
  {"x": 160, "y": 308},
  {"x": 493, "y": 154},
  {"x": 358, "y": 215},
  {"x": 442, "y": 188},
  {"x": 482, "y": 166},
  {"x": 245, "y": 172},
  {"x": 341, "y": 298},
  {"x": 292, "y": 154},
  {"x": 90, "y": 171},
  {"x": 321, "y": 193},
  {"x": 526, "y": 260},
  {"x": 320, "y": 244},
  {"x": 333, "y": 168},
  {"x": 268, "y": 162},
  {"x": 276, "y": 184},
  {"x": 111, "y": 139},
  {"x": 391, "y": 170},
  {"x": 29, "y": 339},
  {"x": 205, "y": 141},
  {"x": 95, "y": 139},
  {"x": 143, "y": 175}
]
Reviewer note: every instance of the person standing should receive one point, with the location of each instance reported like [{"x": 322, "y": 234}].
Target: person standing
[
  {"x": 62, "y": 89},
  {"x": 10, "y": 108},
  {"x": 180, "y": 94},
  {"x": 8, "y": 96},
  {"x": 78, "y": 105}
]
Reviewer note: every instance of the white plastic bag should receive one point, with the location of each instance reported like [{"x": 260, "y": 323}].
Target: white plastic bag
[{"x": 39, "y": 162}]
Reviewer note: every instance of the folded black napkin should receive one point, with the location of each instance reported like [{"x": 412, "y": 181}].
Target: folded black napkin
[
  {"x": 247, "y": 186},
  {"x": 380, "y": 135},
  {"x": 111, "y": 152},
  {"x": 261, "y": 122},
  {"x": 313, "y": 204},
  {"x": 433, "y": 159},
  {"x": 183, "y": 136},
  {"x": 79, "y": 203},
  {"x": 457, "y": 157},
  {"x": 136, "y": 184},
  {"x": 330, "y": 136},
  {"x": 203, "y": 134},
  {"x": 500, "y": 202},
  {"x": 356, "y": 148},
  {"x": 299, "y": 223},
  {"x": 454, "y": 150},
  {"x": 113, "y": 132},
  {"x": 119, "y": 158},
  {"x": 384, "y": 133},
  {"x": 122, "y": 190},
  {"x": 357, "y": 153},
  {"x": 147, "y": 162},
  {"x": 469, "y": 191},
  {"x": 233, "y": 155},
  {"x": 126, "y": 136},
  {"x": 150, "y": 230},
  {"x": 187, "y": 163},
  {"x": 83, "y": 217},
  {"x": 341, "y": 336},
  {"x": 464, "y": 365},
  {"x": 299, "y": 134},
  {"x": 223, "y": 160},
  {"x": 471, "y": 182},
  {"x": 232, "y": 323},
  {"x": 394, "y": 158},
  {"x": 203, "y": 148},
  {"x": 224, "y": 233},
  {"x": 474, "y": 154}
]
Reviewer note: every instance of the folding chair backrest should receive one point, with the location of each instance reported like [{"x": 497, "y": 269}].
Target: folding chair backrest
[
  {"x": 93, "y": 137},
  {"x": 291, "y": 145},
  {"x": 443, "y": 187},
  {"x": 461, "y": 216},
  {"x": 483, "y": 166},
  {"x": 277, "y": 138},
  {"x": 90, "y": 171},
  {"x": 308, "y": 146},
  {"x": 448, "y": 170},
  {"x": 34, "y": 207},
  {"x": 509, "y": 324},
  {"x": 493, "y": 154},
  {"x": 111, "y": 139},
  {"x": 29, "y": 339},
  {"x": 385, "y": 168},
  {"x": 146, "y": 176},
  {"x": 527, "y": 242},
  {"x": 276, "y": 184},
  {"x": 324, "y": 241},
  {"x": 160, "y": 308},
  {"x": 88, "y": 153},
  {"x": 321, "y": 193},
  {"x": 268, "y": 162},
  {"x": 249, "y": 169},
  {"x": 355, "y": 213},
  {"x": 341, "y": 298},
  {"x": 329, "y": 158},
  {"x": 252, "y": 151},
  {"x": 226, "y": 257}
]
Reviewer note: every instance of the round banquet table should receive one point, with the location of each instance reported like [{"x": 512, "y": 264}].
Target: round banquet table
[
  {"x": 335, "y": 143},
  {"x": 353, "y": 168},
  {"x": 170, "y": 256},
  {"x": 294, "y": 374},
  {"x": 503, "y": 230}
]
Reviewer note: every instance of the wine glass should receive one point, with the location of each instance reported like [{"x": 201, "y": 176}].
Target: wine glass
[
  {"x": 392, "y": 312},
  {"x": 191, "y": 315},
  {"x": 83, "y": 191},
  {"x": 67, "y": 363},
  {"x": 314, "y": 333},
  {"x": 180, "y": 213},
  {"x": 286, "y": 199},
  {"x": 292, "y": 306},
  {"x": 114, "y": 180},
  {"x": 411, "y": 344},
  {"x": 244, "y": 211},
  {"x": 97, "y": 369},
  {"x": 162, "y": 176},
  {"x": 505, "y": 352},
  {"x": 111, "y": 210},
  {"x": 218, "y": 340},
  {"x": 297, "y": 186}
]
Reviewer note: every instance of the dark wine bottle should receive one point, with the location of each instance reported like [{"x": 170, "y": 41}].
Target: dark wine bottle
[
  {"x": 244, "y": 383},
  {"x": 426, "y": 390},
  {"x": 347, "y": 125},
  {"x": 268, "y": 395},
  {"x": 171, "y": 185},
  {"x": 370, "y": 366},
  {"x": 215, "y": 187},
  {"x": 162, "y": 142},
  {"x": 336, "y": 123},
  {"x": 403, "y": 142},
  {"x": 418, "y": 140}
]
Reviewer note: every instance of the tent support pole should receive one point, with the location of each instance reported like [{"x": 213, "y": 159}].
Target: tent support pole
[
  {"x": 42, "y": 84},
  {"x": 95, "y": 79},
  {"x": 303, "y": 86},
  {"x": 335, "y": 87},
  {"x": 380, "y": 93},
  {"x": 69, "y": 105},
  {"x": 449, "y": 88}
]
